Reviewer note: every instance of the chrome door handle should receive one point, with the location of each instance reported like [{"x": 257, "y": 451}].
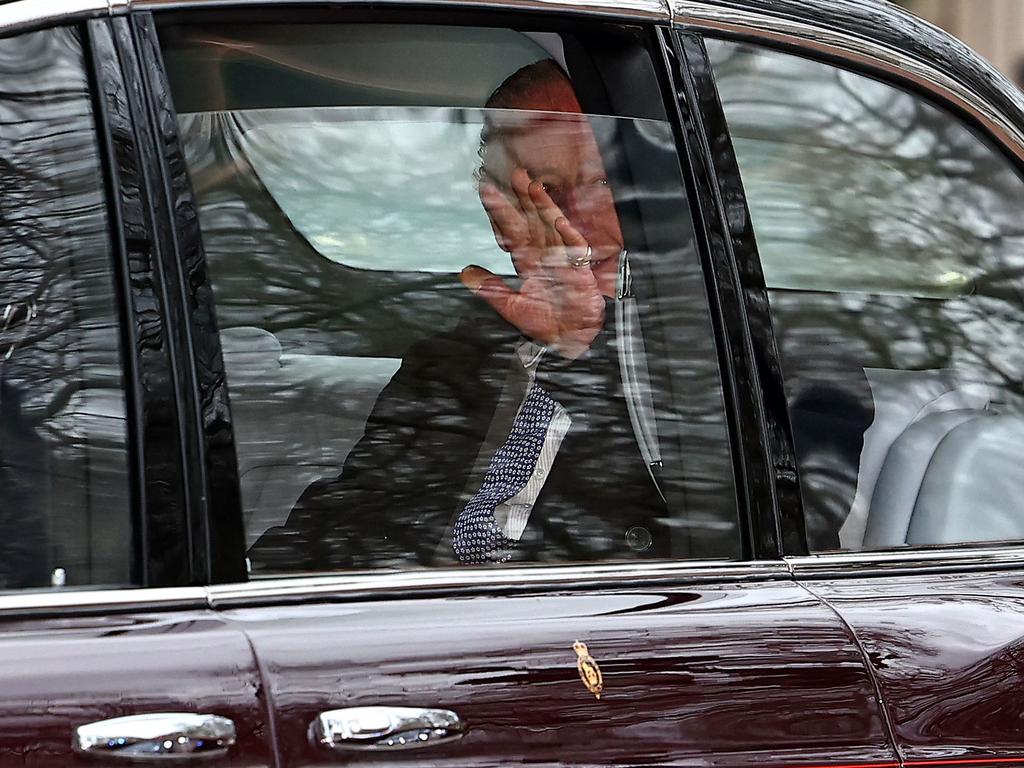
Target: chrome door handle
[
  {"x": 385, "y": 728},
  {"x": 163, "y": 736}
]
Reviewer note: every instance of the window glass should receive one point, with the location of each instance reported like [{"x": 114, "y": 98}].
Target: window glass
[
  {"x": 462, "y": 314},
  {"x": 892, "y": 241},
  {"x": 424, "y": 227},
  {"x": 65, "y": 515}
]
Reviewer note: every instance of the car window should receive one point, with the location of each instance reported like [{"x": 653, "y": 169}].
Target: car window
[
  {"x": 65, "y": 518},
  {"x": 462, "y": 314},
  {"x": 891, "y": 236}
]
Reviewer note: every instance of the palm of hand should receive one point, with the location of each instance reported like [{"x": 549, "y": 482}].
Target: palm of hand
[
  {"x": 557, "y": 304},
  {"x": 567, "y": 317}
]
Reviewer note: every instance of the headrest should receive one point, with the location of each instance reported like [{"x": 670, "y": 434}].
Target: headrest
[
  {"x": 974, "y": 487},
  {"x": 250, "y": 348}
]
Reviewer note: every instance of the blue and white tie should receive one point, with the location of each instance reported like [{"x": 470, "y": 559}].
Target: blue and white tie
[{"x": 476, "y": 537}]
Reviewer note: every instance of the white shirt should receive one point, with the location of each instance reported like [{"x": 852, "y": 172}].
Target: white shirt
[{"x": 513, "y": 515}]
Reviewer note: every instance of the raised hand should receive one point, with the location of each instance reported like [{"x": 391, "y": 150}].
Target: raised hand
[{"x": 557, "y": 304}]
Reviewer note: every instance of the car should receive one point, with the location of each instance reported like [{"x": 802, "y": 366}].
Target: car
[{"x": 292, "y": 479}]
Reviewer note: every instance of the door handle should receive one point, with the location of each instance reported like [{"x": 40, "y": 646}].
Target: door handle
[
  {"x": 164, "y": 736},
  {"x": 385, "y": 728}
]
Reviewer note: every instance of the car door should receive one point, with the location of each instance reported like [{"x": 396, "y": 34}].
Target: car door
[
  {"x": 105, "y": 649},
  {"x": 884, "y": 189},
  {"x": 338, "y": 158}
]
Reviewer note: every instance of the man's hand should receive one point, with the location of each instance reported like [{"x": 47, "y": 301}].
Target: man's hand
[{"x": 557, "y": 304}]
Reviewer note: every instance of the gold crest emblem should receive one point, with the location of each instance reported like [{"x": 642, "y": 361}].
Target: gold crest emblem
[{"x": 590, "y": 673}]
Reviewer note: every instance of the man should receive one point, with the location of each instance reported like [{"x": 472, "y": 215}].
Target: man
[
  {"x": 507, "y": 439},
  {"x": 545, "y": 189}
]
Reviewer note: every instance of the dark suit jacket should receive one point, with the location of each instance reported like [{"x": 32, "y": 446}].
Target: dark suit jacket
[
  {"x": 26, "y": 478},
  {"x": 427, "y": 444}
]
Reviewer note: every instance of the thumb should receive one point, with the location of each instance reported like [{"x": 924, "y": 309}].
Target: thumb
[
  {"x": 492, "y": 289},
  {"x": 474, "y": 277}
]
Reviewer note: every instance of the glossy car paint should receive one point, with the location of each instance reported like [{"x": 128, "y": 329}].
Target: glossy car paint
[
  {"x": 57, "y": 674},
  {"x": 948, "y": 652},
  {"x": 732, "y": 674}
]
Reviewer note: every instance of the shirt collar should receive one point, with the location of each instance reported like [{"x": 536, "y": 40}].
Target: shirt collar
[{"x": 530, "y": 353}]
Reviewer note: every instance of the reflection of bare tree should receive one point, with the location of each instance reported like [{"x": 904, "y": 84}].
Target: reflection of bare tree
[
  {"x": 62, "y": 432},
  {"x": 950, "y": 662},
  {"x": 266, "y": 274},
  {"x": 892, "y": 237},
  {"x": 301, "y": 402}
]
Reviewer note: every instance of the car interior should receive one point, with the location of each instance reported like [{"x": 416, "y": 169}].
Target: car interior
[
  {"x": 329, "y": 258},
  {"x": 896, "y": 305}
]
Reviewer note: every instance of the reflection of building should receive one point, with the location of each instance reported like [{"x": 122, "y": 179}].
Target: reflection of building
[{"x": 994, "y": 28}]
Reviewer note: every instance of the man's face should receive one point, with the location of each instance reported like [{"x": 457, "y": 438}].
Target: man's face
[{"x": 557, "y": 148}]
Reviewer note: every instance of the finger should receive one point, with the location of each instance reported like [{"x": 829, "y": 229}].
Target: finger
[
  {"x": 521, "y": 183},
  {"x": 571, "y": 236},
  {"x": 521, "y": 186},
  {"x": 540, "y": 235},
  {"x": 576, "y": 246},
  {"x": 507, "y": 222},
  {"x": 566, "y": 244},
  {"x": 480, "y": 280},
  {"x": 550, "y": 249},
  {"x": 511, "y": 230},
  {"x": 546, "y": 208},
  {"x": 550, "y": 214},
  {"x": 492, "y": 289}
]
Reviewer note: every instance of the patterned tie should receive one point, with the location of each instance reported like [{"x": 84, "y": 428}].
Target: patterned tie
[{"x": 476, "y": 537}]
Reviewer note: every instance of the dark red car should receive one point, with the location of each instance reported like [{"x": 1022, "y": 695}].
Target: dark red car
[{"x": 525, "y": 382}]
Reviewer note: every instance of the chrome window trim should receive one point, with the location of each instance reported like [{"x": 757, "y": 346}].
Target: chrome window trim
[
  {"x": 102, "y": 600},
  {"x": 474, "y": 581},
  {"x": 483, "y": 581},
  {"x": 649, "y": 10},
  {"x": 854, "y": 564},
  {"x": 710, "y": 19},
  {"x": 343, "y": 586},
  {"x": 21, "y": 15}
]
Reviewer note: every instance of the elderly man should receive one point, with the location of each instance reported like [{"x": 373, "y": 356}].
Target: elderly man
[
  {"x": 546, "y": 191},
  {"x": 507, "y": 439}
]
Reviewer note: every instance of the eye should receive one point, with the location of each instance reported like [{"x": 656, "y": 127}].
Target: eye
[{"x": 553, "y": 190}]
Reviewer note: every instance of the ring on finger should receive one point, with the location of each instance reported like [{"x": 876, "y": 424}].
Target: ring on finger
[{"x": 582, "y": 261}]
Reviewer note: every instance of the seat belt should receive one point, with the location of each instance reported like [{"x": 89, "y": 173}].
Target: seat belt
[{"x": 636, "y": 378}]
